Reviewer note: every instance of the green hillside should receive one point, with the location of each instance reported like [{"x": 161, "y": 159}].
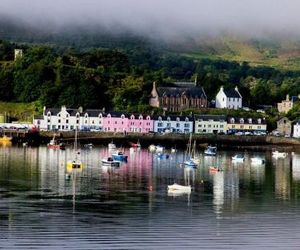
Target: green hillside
[{"x": 277, "y": 54}]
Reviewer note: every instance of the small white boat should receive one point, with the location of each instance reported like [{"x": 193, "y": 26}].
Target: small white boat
[
  {"x": 238, "y": 158},
  {"x": 88, "y": 145},
  {"x": 159, "y": 149},
  {"x": 111, "y": 145},
  {"x": 179, "y": 188},
  {"x": 278, "y": 154},
  {"x": 257, "y": 160},
  {"x": 210, "y": 151},
  {"x": 110, "y": 162}
]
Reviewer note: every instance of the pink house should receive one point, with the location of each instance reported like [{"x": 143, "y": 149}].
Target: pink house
[
  {"x": 115, "y": 122},
  {"x": 121, "y": 122},
  {"x": 140, "y": 124}
]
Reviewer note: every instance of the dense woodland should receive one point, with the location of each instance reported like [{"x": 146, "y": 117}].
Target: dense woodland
[{"x": 121, "y": 79}]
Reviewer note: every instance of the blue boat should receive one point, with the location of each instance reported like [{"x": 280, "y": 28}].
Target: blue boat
[
  {"x": 210, "y": 151},
  {"x": 119, "y": 156}
]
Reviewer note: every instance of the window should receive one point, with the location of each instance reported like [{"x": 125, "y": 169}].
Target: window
[
  {"x": 48, "y": 120},
  {"x": 160, "y": 124},
  {"x": 177, "y": 125},
  {"x": 122, "y": 116},
  {"x": 67, "y": 121},
  {"x": 186, "y": 125},
  {"x": 77, "y": 121},
  {"x": 59, "y": 121}
]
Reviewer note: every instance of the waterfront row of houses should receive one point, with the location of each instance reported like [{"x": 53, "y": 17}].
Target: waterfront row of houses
[{"x": 65, "y": 119}]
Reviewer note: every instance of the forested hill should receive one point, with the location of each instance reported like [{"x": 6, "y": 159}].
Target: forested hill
[{"x": 121, "y": 79}]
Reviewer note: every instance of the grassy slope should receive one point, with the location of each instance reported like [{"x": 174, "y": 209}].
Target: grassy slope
[{"x": 281, "y": 55}]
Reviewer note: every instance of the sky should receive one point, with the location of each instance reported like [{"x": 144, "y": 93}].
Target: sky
[{"x": 164, "y": 18}]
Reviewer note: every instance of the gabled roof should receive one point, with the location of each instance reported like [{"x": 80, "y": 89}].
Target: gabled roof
[
  {"x": 232, "y": 93},
  {"x": 93, "y": 112},
  {"x": 237, "y": 120},
  {"x": 179, "y": 91}
]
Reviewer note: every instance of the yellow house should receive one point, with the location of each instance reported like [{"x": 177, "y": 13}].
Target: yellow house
[
  {"x": 210, "y": 124},
  {"x": 250, "y": 125}
]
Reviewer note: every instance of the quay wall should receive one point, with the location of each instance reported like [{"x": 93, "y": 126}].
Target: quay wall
[{"x": 172, "y": 140}]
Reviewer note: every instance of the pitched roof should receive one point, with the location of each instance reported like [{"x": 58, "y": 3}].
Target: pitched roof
[
  {"x": 178, "y": 91},
  {"x": 238, "y": 120},
  {"x": 232, "y": 93},
  {"x": 210, "y": 117},
  {"x": 173, "y": 117}
]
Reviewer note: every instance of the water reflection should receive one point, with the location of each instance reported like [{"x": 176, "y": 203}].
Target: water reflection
[{"x": 38, "y": 192}]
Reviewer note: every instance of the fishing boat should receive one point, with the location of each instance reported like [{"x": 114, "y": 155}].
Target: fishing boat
[
  {"x": 257, "y": 160},
  {"x": 278, "y": 154},
  {"x": 176, "y": 187},
  {"x": 210, "y": 151},
  {"x": 162, "y": 156},
  {"x": 135, "y": 145},
  {"x": 109, "y": 161},
  {"x": 75, "y": 162},
  {"x": 238, "y": 158},
  {"x": 119, "y": 156},
  {"x": 173, "y": 150}
]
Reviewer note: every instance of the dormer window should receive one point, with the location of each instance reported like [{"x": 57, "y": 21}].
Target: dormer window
[
  {"x": 177, "y": 119},
  {"x": 168, "y": 119},
  {"x": 250, "y": 120},
  {"x": 77, "y": 115},
  {"x": 186, "y": 119},
  {"x": 109, "y": 116},
  {"x": 100, "y": 116},
  {"x": 122, "y": 116},
  {"x": 241, "y": 120},
  {"x": 259, "y": 121},
  {"x": 49, "y": 114},
  {"x": 159, "y": 118},
  {"x": 232, "y": 120},
  {"x": 132, "y": 117},
  {"x": 140, "y": 117},
  {"x": 148, "y": 117}
]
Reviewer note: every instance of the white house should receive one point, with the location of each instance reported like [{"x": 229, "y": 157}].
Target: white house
[
  {"x": 210, "y": 124},
  {"x": 230, "y": 99},
  {"x": 64, "y": 119},
  {"x": 296, "y": 130},
  {"x": 175, "y": 124}
]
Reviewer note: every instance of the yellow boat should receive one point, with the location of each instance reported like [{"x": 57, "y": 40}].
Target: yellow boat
[{"x": 5, "y": 138}]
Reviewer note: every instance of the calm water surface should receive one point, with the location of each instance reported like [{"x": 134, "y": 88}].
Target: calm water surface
[{"x": 46, "y": 206}]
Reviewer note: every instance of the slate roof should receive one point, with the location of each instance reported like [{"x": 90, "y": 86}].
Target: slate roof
[
  {"x": 93, "y": 112},
  {"x": 173, "y": 117},
  {"x": 231, "y": 93},
  {"x": 210, "y": 117},
  {"x": 179, "y": 91},
  {"x": 55, "y": 111}
]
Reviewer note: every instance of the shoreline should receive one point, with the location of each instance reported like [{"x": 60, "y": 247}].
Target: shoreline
[{"x": 176, "y": 140}]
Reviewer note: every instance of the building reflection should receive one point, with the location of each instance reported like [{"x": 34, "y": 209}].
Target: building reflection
[
  {"x": 282, "y": 178},
  {"x": 296, "y": 167}
]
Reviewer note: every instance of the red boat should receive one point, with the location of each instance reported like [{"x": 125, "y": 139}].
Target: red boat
[
  {"x": 135, "y": 145},
  {"x": 53, "y": 144}
]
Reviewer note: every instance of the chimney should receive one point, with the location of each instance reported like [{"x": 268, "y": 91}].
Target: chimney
[
  {"x": 196, "y": 78},
  {"x": 154, "y": 85},
  {"x": 236, "y": 88},
  {"x": 222, "y": 88},
  {"x": 44, "y": 110},
  {"x": 63, "y": 108},
  {"x": 287, "y": 97},
  {"x": 80, "y": 109}
]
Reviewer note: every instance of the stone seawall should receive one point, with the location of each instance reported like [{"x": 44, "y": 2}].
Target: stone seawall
[{"x": 172, "y": 140}]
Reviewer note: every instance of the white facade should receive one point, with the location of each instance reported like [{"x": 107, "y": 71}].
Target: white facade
[
  {"x": 210, "y": 124},
  {"x": 296, "y": 130},
  {"x": 69, "y": 119},
  {"x": 230, "y": 99},
  {"x": 175, "y": 124}
]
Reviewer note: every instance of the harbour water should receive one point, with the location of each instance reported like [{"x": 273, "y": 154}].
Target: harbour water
[{"x": 44, "y": 205}]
